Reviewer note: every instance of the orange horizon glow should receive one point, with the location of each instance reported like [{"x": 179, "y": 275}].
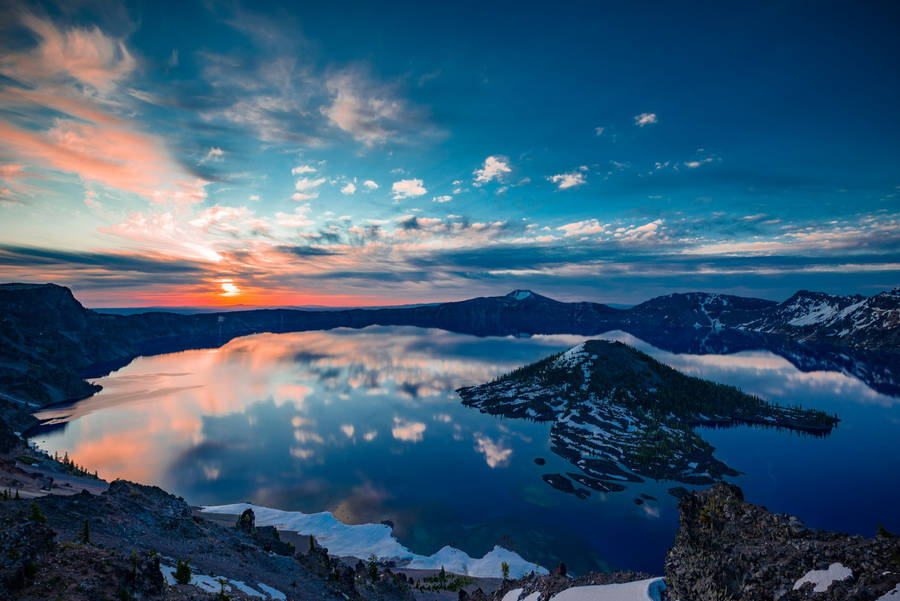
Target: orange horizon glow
[{"x": 216, "y": 295}]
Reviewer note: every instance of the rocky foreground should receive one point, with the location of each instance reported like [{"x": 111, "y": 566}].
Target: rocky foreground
[
  {"x": 727, "y": 548},
  {"x": 125, "y": 542}
]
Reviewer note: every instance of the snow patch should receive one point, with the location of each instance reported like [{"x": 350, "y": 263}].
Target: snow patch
[
  {"x": 363, "y": 540},
  {"x": 893, "y": 595},
  {"x": 520, "y": 294},
  {"x": 512, "y": 595},
  {"x": 641, "y": 590},
  {"x": 822, "y": 579},
  {"x": 273, "y": 593}
]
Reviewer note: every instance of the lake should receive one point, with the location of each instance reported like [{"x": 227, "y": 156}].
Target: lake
[{"x": 366, "y": 424}]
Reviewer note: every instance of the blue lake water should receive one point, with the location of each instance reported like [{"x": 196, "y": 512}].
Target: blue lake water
[{"x": 366, "y": 424}]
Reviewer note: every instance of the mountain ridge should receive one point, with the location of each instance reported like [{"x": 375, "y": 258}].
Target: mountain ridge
[{"x": 49, "y": 342}]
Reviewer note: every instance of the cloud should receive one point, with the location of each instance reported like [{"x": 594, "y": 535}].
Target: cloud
[
  {"x": 495, "y": 454},
  {"x": 642, "y": 232},
  {"x": 349, "y": 189},
  {"x": 303, "y": 169},
  {"x": 408, "y": 188},
  {"x": 645, "y": 119},
  {"x": 348, "y": 430},
  {"x": 493, "y": 169},
  {"x": 599, "y": 131},
  {"x": 215, "y": 154},
  {"x": 584, "y": 228},
  {"x": 370, "y": 184},
  {"x": 85, "y": 55},
  {"x": 110, "y": 155},
  {"x": 408, "y": 431},
  {"x": 568, "y": 180},
  {"x": 371, "y": 112},
  {"x": 62, "y": 115},
  {"x": 697, "y": 163},
  {"x": 305, "y": 188},
  {"x": 443, "y": 198}
]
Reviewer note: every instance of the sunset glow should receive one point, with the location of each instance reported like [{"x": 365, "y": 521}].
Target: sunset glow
[
  {"x": 266, "y": 157},
  {"x": 229, "y": 289}
]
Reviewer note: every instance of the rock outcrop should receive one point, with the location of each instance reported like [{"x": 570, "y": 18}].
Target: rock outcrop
[{"x": 728, "y": 549}]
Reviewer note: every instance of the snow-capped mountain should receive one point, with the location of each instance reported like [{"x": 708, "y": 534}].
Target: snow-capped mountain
[{"x": 859, "y": 321}]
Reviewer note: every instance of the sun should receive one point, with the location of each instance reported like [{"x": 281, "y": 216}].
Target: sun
[{"x": 229, "y": 288}]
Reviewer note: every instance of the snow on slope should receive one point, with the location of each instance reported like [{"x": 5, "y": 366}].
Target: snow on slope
[
  {"x": 822, "y": 579},
  {"x": 520, "y": 294},
  {"x": 363, "y": 540},
  {"x": 641, "y": 590},
  {"x": 212, "y": 584}
]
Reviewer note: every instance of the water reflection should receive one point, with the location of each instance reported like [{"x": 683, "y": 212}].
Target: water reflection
[{"x": 366, "y": 424}]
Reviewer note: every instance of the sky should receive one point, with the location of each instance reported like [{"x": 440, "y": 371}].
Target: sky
[{"x": 349, "y": 154}]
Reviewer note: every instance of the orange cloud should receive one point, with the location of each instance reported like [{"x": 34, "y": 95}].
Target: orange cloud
[{"x": 88, "y": 56}]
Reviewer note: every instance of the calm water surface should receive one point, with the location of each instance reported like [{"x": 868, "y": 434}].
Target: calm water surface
[{"x": 366, "y": 424}]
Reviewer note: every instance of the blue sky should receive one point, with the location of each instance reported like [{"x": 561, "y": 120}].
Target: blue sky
[{"x": 208, "y": 153}]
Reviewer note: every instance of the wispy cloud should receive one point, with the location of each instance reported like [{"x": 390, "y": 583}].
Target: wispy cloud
[{"x": 645, "y": 119}]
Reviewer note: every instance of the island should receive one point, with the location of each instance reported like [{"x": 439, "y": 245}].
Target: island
[{"x": 619, "y": 415}]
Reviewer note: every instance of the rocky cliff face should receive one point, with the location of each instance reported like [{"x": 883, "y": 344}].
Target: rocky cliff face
[{"x": 729, "y": 549}]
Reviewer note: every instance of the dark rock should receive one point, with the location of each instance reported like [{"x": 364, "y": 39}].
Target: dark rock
[
  {"x": 478, "y": 595},
  {"x": 463, "y": 595},
  {"x": 727, "y": 548},
  {"x": 388, "y": 523},
  {"x": 559, "y": 482},
  {"x": 540, "y": 460},
  {"x": 269, "y": 539},
  {"x": 246, "y": 522},
  {"x": 559, "y": 570},
  {"x": 638, "y": 501},
  {"x": 23, "y": 545},
  {"x": 678, "y": 491}
]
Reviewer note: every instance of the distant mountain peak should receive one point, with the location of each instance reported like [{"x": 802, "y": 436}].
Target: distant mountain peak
[{"x": 521, "y": 294}]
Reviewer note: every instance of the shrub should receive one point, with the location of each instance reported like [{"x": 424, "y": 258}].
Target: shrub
[
  {"x": 36, "y": 515},
  {"x": 372, "y": 567},
  {"x": 183, "y": 571},
  {"x": 86, "y": 533},
  {"x": 504, "y": 568}
]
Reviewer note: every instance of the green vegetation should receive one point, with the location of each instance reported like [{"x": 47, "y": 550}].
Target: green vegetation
[
  {"x": 712, "y": 514},
  {"x": 222, "y": 595},
  {"x": 637, "y": 381},
  {"x": 504, "y": 568},
  {"x": 882, "y": 532},
  {"x": 183, "y": 571},
  {"x": 36, "y": 516},
  {"x": 442, "y": 581},
  {"x": 372, "y": 567},
  {"x": 85, "y": 536}
]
